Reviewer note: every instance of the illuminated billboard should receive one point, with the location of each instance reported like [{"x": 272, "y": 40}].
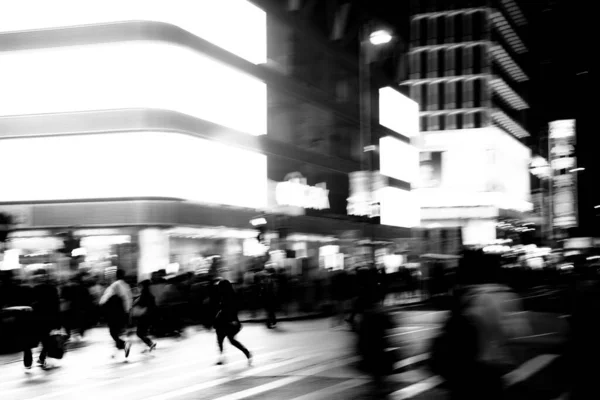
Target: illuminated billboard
[
  {"x": 399, "y": 207},
  {"x": 135, "y": 74},
  {"x": 130, "y": 165},
  {"x": 398, "y": 159},
  {"x": 237, "y": 26},
  {"x": 562, "y": 141},
  {"x": 398, "y": 112}
]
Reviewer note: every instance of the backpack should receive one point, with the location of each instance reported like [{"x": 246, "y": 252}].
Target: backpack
[{"x": 455, "y": 350}]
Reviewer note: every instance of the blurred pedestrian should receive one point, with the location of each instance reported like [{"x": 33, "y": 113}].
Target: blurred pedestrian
[
  {"x": 270, "y": 297},
  {"x": 144, "y": 310},
  {"x": 117, "y": 302},
  {"x": 226, "y": 321}
]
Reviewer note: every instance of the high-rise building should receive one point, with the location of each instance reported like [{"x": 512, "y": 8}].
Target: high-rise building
[{"x": 468, "y": 71}]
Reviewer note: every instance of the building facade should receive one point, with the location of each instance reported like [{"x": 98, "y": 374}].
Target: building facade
[
  {"x": 150, "y": 129},
  {"x": 468, "y": 72}
]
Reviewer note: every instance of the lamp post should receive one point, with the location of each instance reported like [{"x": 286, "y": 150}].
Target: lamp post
[{"x": 369, "y": 38}]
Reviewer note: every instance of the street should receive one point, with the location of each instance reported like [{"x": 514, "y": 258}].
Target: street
[{"x": 299, "y": 360}]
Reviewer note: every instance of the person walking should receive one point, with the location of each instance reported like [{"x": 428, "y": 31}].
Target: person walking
[
  {"x": 144, "y": 308},
  {"x": 226, "y": 322},
  {"x": 117, "y": 302}
]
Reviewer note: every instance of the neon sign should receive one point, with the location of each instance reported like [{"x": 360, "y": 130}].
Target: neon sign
[{"x": 294, "y": 191}]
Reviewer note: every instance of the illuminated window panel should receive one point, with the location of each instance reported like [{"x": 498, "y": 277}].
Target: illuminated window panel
[
  {"x": 137, "y": 74},
  {"x": 500, "y": 118},
  {"x": 508, "y": 94},
  {"x": 237, "y": 26},
  {"x": 509, "y": 65},
  {"x": 133, "y": 164},
  {"x": 508, "y": 33},
  {"x": 398, "y": 159},
  {"x": 399, "y": 207},
  {"x": 398, "y": 112},
  {"x": 515, "y": 12}
]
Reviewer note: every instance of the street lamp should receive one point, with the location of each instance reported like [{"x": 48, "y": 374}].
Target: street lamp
[{"x": 368, "y": 39}]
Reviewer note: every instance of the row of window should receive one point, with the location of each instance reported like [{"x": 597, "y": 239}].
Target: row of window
[
  {"x": 426, "y": 6},
  {"x": 475, "y": 119},
  {"x": 449, "y": 95},
  {"x": 449, "y": 28},
  {"x": 459, "y": 60}
]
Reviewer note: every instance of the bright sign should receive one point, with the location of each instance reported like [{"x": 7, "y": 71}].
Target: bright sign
[
  {"x": 562, "y": 160},
  {"x": 294, "y": 191},
  {"x": 398, "y": 112}
]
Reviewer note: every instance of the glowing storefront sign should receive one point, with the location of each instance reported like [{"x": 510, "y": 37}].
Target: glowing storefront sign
[
  {"x": 399, "y": 207},
  {"x": 398, "y": 112},
  {"x": 398, "y": 159},
  {"x": 132, "y": 164},
  {"x": 137, "y": 74},
  {"x": 562, "y": 159},
  {"x": 237, "y": 26},
  {"x": 295, "y": 192}
]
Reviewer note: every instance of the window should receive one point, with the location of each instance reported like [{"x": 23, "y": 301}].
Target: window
[
  {"x": 468, "y": 60},
  {"x": 458, "y": 28},
  {"x": 434, "y": 124},
  {"x": 424, "y": 124},
  {"x": 441, "y": 31},
  {"x": 432, "y": 97},
  {"x": 450, "y": 95},
  {"x": 415, "y": 65},
  {"x": 468, "y": 27},
  {"x": 432, "y": 25},
  {"x": 477, "y": 93},
  {"x": 442, "y": 122},
  {"x": 459, "y": 94},
  {"x": 485, "y": 96},
  {"x": 478, "y": 119},
  {"x": 458, "y": 58},
  {"x": 468, "y": 96},
  {"x": 477, "y": 29},
  {"x": 449, "y": 29},
  {"x": 468, "y": 121},
  {"x": 431, "y": 64},
  {"x": 451, "y": 121},
  {"x": 424, "y": 99},
  {"x": 415, "y": 32},
  {"x": 415, "y": 94},
  {"x": 441, "y": 95},
  {"x": 459, "y": 121},
  {"x": 423, "y": 57},
  {"x": 423, "y": 30},
  {"x": 441, "y": 67},
  {"x": 477, "y": 59},
  {"x": 449, "y": 63}
]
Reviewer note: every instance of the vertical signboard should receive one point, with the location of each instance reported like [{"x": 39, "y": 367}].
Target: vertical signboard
[{"x": 564, "y": 182}]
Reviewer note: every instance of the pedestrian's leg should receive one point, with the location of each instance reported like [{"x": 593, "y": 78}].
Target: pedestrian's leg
[
  {"x": 45, "y": 346},
  {"x": 27, "y": 358},
  {"x": 220, "y": 339},
  {"x": 240, "y": 346},
  {"x": 116, "y": 330},
  {"x": 142, "y": 332}
]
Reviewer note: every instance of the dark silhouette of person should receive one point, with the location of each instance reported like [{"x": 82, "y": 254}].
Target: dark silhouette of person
[{"x": 226, "y": 321}]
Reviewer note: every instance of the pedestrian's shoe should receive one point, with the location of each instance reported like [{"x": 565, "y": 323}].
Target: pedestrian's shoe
[
  {"x": 127, "y": 349},
  {"x": 221, "y": 361},
  {"x": 152, "y": 347},
  {"x": 28, "y": 369},
  {"x": 250, "y": 360},
  {"x": 42, "y": 364}
]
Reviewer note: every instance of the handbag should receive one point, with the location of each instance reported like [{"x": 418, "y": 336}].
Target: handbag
[
  {"x": 56, "y": 344},
  {"x": 138, "y": 311}
]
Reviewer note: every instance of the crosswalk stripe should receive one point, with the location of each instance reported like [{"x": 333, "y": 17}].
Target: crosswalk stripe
[
  {"x": 220, "y": 381},
  {"x": 528, "y": 369},
  {"x": 411, "y": 360},
  {"x": 417, "y": 388},
  {"x": 86, "y": 388},
  {"x": 329, "y": 392},
  {"x": 305, "y": 373}
]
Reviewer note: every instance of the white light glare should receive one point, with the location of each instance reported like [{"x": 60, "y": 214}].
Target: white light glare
[
  {"x": 577, "y": 170},
  {"x": 258, "y": 221},
  {"x": 380, "y": 37}
]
